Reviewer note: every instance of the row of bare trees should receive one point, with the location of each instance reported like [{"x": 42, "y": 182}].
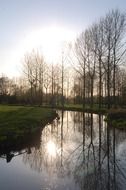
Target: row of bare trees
[
  {"x": 100, "y": 54},
  {"x": 46, "y": 82}
]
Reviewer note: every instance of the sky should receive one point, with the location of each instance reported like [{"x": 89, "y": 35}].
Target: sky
[{"x": 28, "y": 24}]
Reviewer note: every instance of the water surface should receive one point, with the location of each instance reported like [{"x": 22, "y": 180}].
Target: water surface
[{"x": 76, "y": 152}]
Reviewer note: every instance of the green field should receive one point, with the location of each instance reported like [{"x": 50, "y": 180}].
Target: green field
[{"x": 17, "y": 121}]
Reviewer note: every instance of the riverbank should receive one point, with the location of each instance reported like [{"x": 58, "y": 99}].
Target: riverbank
[
  {"x": 117, "y": 118},
  {"x": 17, "y": 122},
  {"x": 79, "y": 107}
]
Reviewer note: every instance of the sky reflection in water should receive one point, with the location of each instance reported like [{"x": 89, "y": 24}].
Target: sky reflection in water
[{"x": 76, "y": 152}]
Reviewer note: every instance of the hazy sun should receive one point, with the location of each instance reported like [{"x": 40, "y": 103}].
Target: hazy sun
[{"x": 49, "y": 40}]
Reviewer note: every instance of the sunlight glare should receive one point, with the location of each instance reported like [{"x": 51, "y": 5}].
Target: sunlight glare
[{"x": 49, "y": 40}]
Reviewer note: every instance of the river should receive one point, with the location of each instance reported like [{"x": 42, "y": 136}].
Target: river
[{"x": 76, "y": 152}]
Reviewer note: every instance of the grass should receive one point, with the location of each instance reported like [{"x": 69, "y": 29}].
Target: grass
[
  {"x": 117, "y": 118},
  {"x": 18, "y": 121},
  {"x": 79, "y": 107}
]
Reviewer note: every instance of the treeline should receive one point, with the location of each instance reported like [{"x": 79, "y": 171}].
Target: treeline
[
  {"x": 40, "y": 84},
  {"x": 97, "y": 74},
  {"x": 100, "y": 51}
]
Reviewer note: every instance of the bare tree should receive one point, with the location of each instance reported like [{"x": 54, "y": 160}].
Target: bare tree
[
  {"x": 34, "y": 69},
  {"x": 81, "y": 51},
  {"x": 119, "y": 24}
]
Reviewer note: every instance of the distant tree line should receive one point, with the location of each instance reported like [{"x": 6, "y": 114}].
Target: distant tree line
[{"x": 97, "y": 74}]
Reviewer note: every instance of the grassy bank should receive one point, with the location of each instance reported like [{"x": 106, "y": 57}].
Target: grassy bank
[
  {"x": 17, "y": 121},
  {"x": 79, "y": 107},
  {"x": 117, "y": 118}
]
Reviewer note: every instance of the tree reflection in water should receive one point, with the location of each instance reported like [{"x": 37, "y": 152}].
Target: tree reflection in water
[{"x": 81, "y": 149}]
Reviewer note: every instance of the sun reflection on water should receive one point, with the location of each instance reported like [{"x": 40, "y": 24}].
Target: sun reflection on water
[{"x": 51, "y": 148}]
